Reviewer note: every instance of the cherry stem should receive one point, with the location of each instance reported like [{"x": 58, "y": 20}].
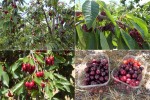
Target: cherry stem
[{"x": 36, "y": 65}]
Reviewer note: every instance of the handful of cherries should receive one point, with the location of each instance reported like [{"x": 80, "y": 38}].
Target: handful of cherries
[
  {"x": 96, "y": 72},
  {"x": 130, "y": 72}
]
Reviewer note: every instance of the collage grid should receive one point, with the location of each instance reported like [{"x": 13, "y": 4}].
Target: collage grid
[{"x": 74, "y": 49}]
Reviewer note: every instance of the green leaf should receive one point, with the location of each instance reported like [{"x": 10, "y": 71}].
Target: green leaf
[
  {"x": 39, "y": 57},
  {"x": 38, "y": 80},
  {"x": 53, "y": 67},
  {"x": 48, "y": 92},
  {"x": 142, "y": 24},
  {"x": 109, "y": 39},
  {"x": 25, "y": 60},
  {"x": 122, "y": 44},
  {"x": 59, "y": 59},
  {"x": 60, "y": 76},
  {"x": 5, "y": 79},
  {"x": 82, "y": 36},
  {"x": 15, "y": 65},
  {"x": 117, "y": 31},
  {"x": 139, "y": 29},
  {"x": 18, "y": 86},
  {"x": 104, "y": 7},
  {"x": 128, "y": 40},
  {"x": 67, "y": 88},
  {"x": 91, "y": 44},
  {"x": 90, "y": 11},
  {"x": 59, "y": 86},
  {"x": 1, "y": 69},
  {"x": 31, "y": 61},
  {"x": 103, "y": 41},
  {"x": 51, "y": 76}
]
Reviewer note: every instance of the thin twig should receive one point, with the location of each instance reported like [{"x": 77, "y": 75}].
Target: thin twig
[{"x": 49, "y": 29}]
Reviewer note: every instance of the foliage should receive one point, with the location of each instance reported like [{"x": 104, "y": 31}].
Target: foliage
[
  {"x": 40, "y": 24},
  {"x": 101, "y": 26},
  {"x": 58, "y": 80}
]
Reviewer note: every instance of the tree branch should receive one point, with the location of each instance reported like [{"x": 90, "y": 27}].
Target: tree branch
[{"x": 49, "y": 29}]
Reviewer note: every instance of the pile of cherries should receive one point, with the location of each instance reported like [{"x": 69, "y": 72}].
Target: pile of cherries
[
  {"x": 96, "y": 72},
  {"x": 130, "y": 72},
  {"x": 138, "y": 38},
  {"x": 28, "y": 68}
]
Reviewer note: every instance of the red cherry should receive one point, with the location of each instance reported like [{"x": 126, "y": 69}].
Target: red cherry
[
  {"x": 137, "y": 83},
  {"x": 125, "y": 62},
  {"x": 24, "y": 68},
  {"x": 27, "y": 84},
  {"x": 9, "y": 94},
  {"x": 128, "y": 80},
  {"x": 41, "y": 74},
  {"x": 128, "y": 75},
  {"x": 94, "y": 61},
  {"x": 52, "y": 63},
  {"x": 28, "y": 66},
  {"x": 51, "y": 58},
  {"x": 139, "y": 64},
  {"x": 123, "y": 72},
  {"x": 42, "y": 84},
  {"x": 38, "y": 74},
  {"x": 48, "y": 61},
  {"x": 32, "y": 69},
  {"x": 6, "y": 12},
  {"x": 31, "y": 84},
  {"x": 123, "y": 78}
]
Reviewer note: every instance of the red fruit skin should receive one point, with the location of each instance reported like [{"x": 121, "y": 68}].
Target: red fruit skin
[
  {"x": 137, "y": 83},
  {"x": 128, "y": 75},
  {"x": 125, "y": 62},
  {"x": 41, "y": 74},
  {"x": 9, "y": 94},
  {"x": 32, "y": 68},
  {"x": 28, "y": 66},
  {"x": 38, "y": 74},
  {"x": 52, "y": 63},
  {"x": 123, "y": 78},
  {"x": 27, "y": 84},
  {"x": 24, "y": 68},
  {"x": 128, "y": 81},
  {"x": 42, "y": 85},
  {"x": 31, "y": 84},
  {"x": 48, "y": 61},
  {"x": 94, "y": 61},
  {"x": 123, "y": 72},
  {"x": 51, "y": 58}
]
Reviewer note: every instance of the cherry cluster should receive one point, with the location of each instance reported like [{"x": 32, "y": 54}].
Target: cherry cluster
[
  {"x": 138, "y": 38},
  {"x": 96, "y": 72},
  {"x": 40, "y": 74},
  {"x": 107, "y": 27},
  {"x": 28, "y": 68},
  {"x": 130, "y": 72},
  {"x": 31, "y": 85},
  {"x": 49, "y": 60}
]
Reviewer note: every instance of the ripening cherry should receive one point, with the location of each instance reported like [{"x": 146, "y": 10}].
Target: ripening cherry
[
  {"x": 9, "y": 94},
  {"x": 42, "y": 84}
]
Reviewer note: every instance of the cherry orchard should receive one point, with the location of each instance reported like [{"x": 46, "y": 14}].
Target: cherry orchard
[
  {"x": 36, "y": 74},
  {"x": 39, "y": 24}
]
